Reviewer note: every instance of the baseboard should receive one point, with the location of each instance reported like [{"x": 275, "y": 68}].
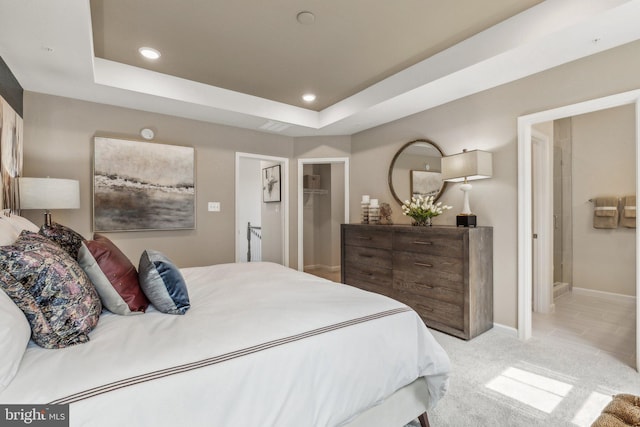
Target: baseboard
[
  {"x": 507, "y": 330},
  {"x": 322, "y": 267},
  {"x": 603, "y": 294},
  {"x": 325, "y": 268}
]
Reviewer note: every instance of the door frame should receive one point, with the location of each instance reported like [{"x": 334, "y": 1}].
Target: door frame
[
  {"x": 525, "y": 208},
  {"x": 317, "y": 160},
  {"x": 284, "y": 162}
]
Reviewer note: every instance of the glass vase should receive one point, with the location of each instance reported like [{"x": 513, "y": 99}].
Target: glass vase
[{"x": 422, "y": 222}]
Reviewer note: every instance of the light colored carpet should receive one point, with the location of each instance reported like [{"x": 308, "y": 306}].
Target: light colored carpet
[{"x": 498, "y": 380}]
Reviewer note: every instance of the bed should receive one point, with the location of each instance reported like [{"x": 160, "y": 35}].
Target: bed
[{"x": 261, "y": 345}]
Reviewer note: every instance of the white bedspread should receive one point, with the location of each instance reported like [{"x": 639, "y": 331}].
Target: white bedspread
[{"x": 262, "y": 345}]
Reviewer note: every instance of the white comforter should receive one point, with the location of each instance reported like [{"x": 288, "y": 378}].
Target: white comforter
[{"x": 262, "y": 345}]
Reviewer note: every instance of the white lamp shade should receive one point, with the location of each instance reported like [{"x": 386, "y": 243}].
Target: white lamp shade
[
  {"x": 49, "y": 193},
  {"x": 471, "y": 165}
]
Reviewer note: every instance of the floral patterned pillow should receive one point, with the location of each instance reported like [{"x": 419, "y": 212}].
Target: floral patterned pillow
[
  {"x": 66, "y": 238},
  {"x": 51, "y": 289}
]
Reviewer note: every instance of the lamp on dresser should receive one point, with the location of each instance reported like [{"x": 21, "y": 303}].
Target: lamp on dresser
[
  {"x": 465, "y": 167},
  {"x": 48, "y": 194}
]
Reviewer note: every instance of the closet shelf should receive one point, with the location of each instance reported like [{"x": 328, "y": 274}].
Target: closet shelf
[{"x": 315, "y": 191}]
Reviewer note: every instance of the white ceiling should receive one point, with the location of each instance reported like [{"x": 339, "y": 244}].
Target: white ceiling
[{"x": 49, "y": 47}]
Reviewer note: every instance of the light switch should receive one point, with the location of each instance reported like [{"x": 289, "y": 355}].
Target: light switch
[{"x": 213, "y": 206}]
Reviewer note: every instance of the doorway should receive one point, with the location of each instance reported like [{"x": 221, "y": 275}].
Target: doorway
[
  {"x": 323, "y": 205},
  {"x": 526, "y": 204},
  {"x": 262, "y": 216}
]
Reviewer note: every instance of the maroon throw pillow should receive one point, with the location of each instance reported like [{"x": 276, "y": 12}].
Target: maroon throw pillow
[{"x": 118, "y": 270}]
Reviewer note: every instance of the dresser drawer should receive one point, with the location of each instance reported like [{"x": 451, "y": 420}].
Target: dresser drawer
[
  {"x": 442, "y": 290},
  {"x": 428, "y": 267},
  {"x": 369, "y": 237},
  {"x": 370, "y": 278},
  {"x": 431, "y": 241},
  {"x": 443, "y": 272},
  {"x": 368, "y": 256},
  {"x": 451, "y": 315}
]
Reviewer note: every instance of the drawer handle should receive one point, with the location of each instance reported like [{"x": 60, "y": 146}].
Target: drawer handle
[
  {"x": 366, "y": 256},
  {"x": 424, "y": 285},
  {"x": 364, "y": 237},
  {"x": 418, "y": 242},
  {"x": 429, "y": 309},
  {"x": 423, "y": 264}
]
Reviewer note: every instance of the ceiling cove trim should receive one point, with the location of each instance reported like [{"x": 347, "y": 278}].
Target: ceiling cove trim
[{"x": 497, "y": 54}]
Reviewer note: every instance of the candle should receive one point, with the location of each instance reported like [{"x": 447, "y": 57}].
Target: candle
[{"x": 365, "y": 198}]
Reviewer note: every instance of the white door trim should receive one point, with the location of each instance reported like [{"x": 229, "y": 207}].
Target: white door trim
[
  {"x": 285, "y": 199},
  {"x": 525, "y": 205},
  {"x": 317, "y": 160}
]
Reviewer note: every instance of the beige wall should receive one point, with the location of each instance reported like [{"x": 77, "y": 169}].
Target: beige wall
[
  {"x": 58, "y": 143},
  {"x": 59, "y": 133},
  {"x": 603, "y": 165},
  {"x": 488, "y": 121}
]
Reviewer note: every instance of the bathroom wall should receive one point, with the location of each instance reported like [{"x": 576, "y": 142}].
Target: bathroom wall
[{"x": 603, "y": 260}]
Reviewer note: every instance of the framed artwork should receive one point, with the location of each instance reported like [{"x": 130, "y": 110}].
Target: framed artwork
[
  {"x": 271, "y": 184},
  {"x": 11, "y": 126},
  {"x": 142, "y": 186},
  {"x": 425, "y": 183}
]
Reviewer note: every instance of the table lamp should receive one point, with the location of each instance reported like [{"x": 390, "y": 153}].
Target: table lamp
[
  {"x": 464, "y": 167},
  {"x": 48, "y": 194}
]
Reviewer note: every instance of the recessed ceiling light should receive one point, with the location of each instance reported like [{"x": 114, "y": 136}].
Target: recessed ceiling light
[
  {"x": 308, "y": 97},
  {"x": 149, "y": 52}
]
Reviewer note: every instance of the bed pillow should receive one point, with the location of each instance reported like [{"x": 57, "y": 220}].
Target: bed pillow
[
  {"x": 14, "y": 337},
  {"x": 66, "y": 238},
  {"x": 113, "y": 275},
  {"x": 8, "y": 233},
  {"x": 163, "y": 283},
  {"x": 51, "y": 289},
  {"x": 21, "y": 223}
]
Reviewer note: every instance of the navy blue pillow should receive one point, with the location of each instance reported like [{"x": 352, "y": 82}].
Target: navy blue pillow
[{"x": 162, "y": 283}]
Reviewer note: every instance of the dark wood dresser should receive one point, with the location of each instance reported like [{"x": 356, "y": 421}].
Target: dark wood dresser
[{"x": 444, "y": 273}]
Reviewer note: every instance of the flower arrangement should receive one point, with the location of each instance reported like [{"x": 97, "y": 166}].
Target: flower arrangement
[{"x": 422, "y": 209}]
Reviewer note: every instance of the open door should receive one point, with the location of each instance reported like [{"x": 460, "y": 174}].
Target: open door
[{"x": 262, "y": 207}]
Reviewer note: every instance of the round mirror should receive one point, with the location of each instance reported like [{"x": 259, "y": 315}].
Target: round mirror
[{"x": 415, "y": 169}]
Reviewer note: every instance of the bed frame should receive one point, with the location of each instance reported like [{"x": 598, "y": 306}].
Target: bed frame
[{"x": 399, "y": 409}]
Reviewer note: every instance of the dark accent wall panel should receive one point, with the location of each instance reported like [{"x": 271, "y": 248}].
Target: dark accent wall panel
[{"x": 10, "y": 89}]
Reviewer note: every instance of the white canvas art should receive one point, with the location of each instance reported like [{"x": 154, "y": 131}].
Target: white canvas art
[
  {"x": 142, "y": 186},
  {"x": 271, "y": 184},
  {"x": 425, "y": 183}
]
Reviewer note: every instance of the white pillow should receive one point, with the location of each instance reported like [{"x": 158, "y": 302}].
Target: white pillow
[
  {"x": 21, "y": 223},
  {"x": 14, "y": 337},
  {"x": 8, "y": 233}
]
